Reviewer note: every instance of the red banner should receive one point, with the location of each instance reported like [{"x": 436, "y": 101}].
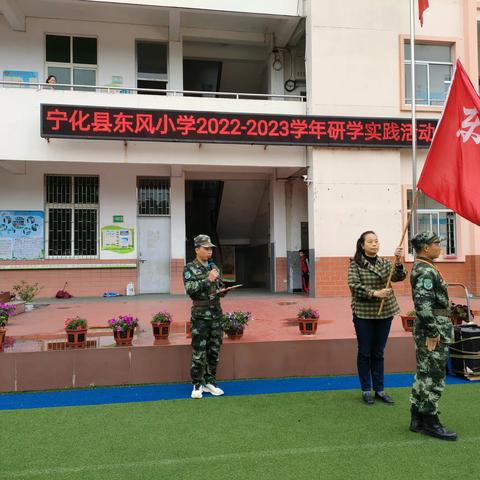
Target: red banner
[
  {"x": 451, "y": 174},
  {"x": 422, "y": 6}
]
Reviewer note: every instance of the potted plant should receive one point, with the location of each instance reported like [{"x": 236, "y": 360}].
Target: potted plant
[
  {"x": 308, "y": 321},
  {"x": 6, "y": 311},
  {"x": 161, "y": 324},
  {"x": 233, "y": 323},
  {"x": 76, "y": 329},
  {"x": 408, "y": 320},
  {"x": 5, "y": 297},
  {"x": 459, "y": 313},
  {"x": 123, "y": 328},
  {"x": 27, "y": 292}
]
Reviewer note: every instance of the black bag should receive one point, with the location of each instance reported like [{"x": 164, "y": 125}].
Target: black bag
[{"x": 465, "y": 351}]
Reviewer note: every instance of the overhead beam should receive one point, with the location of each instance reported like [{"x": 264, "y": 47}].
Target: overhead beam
[
  {"x": 15, "y": 167},
  {"x": 225, "y": 36},
  {"x": 174, "y": 25},
  {"x": 13, "y": 14}
]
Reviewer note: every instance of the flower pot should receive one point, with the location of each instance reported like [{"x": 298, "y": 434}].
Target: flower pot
[
  {"x": 28, "y": 307},
  {"x": 76, "y": 338},
  {"x": 456, "y": 320},
  {"x": 161, "y": 330},
  {"x": 408, "y": 322},
  {"x": 235, "y": 335},
  {"x": 5, "y": 297},
  {"x": 3, "y": 332},
  {"x": 124, "y": 339},
  {"x": 188, "y": 329},
  {"x": 308, "y": 326}
]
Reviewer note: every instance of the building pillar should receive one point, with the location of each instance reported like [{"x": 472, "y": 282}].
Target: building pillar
[
  {"x": 278, "y": 235},
  {"x": 276, "y": 75},
  {"x": 175, "y": 52},
  {"x": 177, "y": 232}
]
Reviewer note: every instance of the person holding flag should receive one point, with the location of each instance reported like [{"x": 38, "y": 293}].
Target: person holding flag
[{"x": 433, "y": 333}]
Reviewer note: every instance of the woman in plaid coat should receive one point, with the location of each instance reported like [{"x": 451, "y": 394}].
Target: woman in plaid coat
[{"x": 367, "y": 278}]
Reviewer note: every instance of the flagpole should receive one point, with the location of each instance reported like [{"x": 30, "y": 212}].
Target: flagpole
[{"x": 414, "y": 224}]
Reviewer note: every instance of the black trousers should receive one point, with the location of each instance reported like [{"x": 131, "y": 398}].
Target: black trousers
[{"x": 372, "y": 336}]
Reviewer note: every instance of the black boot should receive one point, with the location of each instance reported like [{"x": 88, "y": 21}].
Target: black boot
[
  {"x": 433, "y": 427},
  {"x": 416, "y": 423}
]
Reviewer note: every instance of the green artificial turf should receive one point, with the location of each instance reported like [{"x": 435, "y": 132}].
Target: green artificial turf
[{"x": 320, "y": 435}]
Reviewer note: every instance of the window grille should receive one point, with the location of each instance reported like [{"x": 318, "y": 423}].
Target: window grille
[
  {"x": 153, "y": 196},
  {"x": 437, "y": 218},
  {"x": 72, "y": 216}
]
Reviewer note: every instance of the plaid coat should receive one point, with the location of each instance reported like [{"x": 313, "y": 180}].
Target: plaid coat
[{"x": 363, "y": 281}]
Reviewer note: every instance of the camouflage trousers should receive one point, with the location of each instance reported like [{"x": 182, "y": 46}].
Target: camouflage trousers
[
  {"x": 207, "y": 336},
  {"x": 429, "y": 381}
]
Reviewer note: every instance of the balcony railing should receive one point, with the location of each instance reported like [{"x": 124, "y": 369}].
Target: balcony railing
[{"x": 150, "y": 91}]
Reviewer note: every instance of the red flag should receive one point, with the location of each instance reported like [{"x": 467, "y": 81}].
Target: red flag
[
  {"x": 451, "y": 174},
  {"x": 422, "y": 6}
]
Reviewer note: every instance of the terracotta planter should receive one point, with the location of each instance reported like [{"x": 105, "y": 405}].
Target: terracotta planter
[
  {"x": 235, "y": 335},
  {"x": 161, "y": 330},
  {"x": 408, "y": 322},
  {"x": 308, "y": 326},
  {"x": 3, "y": 331},
  {"x": 188, "y": 331},
  {"x": 124, "y": 339},
  {"x": 76, "y": 338},
  {"x": 4, "y": 297}
]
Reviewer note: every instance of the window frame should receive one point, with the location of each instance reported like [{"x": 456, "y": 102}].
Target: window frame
[
  {"x": 137, "y": 191},
  {"x": 72, "y": 65},
  {"x": 161, "y": 77},
  {"x": 458, "y": 255},
  {"x": 444, "y": 41},
  {"x": 72, "y": 206}
]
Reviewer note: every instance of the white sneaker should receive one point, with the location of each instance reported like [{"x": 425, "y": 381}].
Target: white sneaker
[
  {"x": 214, "y": 390},
  {"x": 197, "y": 392}
]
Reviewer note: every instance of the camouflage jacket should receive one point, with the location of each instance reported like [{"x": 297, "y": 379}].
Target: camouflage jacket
[
  {"x": 363, "y": 281},
  {"x": 429, "y": 292},
  {"x": 197, "y": 284}
]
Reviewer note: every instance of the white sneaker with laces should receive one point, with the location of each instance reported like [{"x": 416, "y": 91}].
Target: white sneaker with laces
[
  {"x": 197, "y": 392},
  {"x": 214, "y": 390}
]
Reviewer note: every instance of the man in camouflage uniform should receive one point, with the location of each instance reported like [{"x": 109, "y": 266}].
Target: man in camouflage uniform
[
  {"x": 433, "y": 332},
  {"x": 202, "y": 282}
]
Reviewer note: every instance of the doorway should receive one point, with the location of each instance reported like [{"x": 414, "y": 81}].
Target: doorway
[{"x": 236, "y": 216}]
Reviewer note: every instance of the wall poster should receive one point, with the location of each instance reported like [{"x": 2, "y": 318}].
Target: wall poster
[
  {"x": 118, "y": 239},
  {"x": 22, "y": 235}
]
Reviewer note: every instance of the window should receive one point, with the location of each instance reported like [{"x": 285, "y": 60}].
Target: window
[
  {"x": 152, "y": 66},
  {"x": 153, "y": 196},
  {"x": 433, "y": 73},
  {"x": 435, "y": 217},
  {"x": 73, "y": 60},
  {"x": 72, "y": 216}
]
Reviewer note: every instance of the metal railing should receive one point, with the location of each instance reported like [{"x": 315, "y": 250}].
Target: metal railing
[{"x": 155, "y": 91}]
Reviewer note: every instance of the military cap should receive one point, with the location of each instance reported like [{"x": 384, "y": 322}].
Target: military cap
[
  {"x": 424, "y": 238},
  {"x": 203, "y": 241}
]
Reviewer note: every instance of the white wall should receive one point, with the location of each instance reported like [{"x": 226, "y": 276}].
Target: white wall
[
  {"x": 354, "y": 56},
  {"x": 20, "y": 132},
  {"x": 269, "y": 7},
  {"x": 296, "y": 211},
  {"x": 117, "y": 191},
  {"x": 355, "y": 190},
  {"x": 116, "y": 46}
]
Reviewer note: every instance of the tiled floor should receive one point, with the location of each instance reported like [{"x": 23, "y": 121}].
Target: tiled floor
[{"x": 274, "y": 317}]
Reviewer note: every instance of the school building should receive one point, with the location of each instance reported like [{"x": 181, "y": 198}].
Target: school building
[{"x": 272, "y": 126}]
